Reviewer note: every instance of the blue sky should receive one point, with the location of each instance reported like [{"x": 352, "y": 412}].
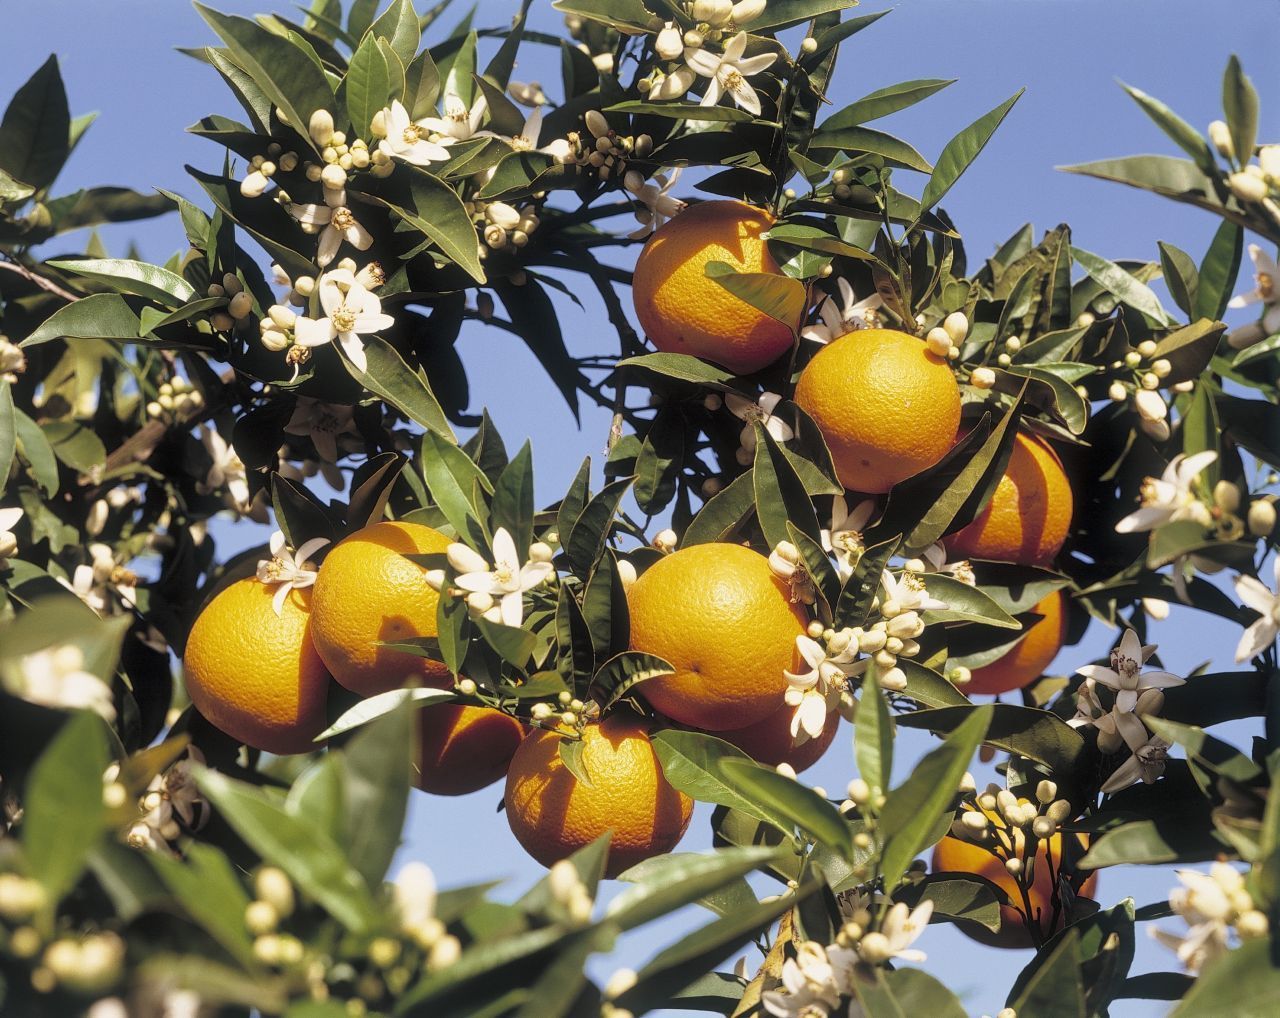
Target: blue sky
[{"x": 119, "y": 58}]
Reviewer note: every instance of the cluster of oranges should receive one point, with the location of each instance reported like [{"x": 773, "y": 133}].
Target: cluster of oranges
[
  {"x": 259, "y": 667},
  {"x": 264, "y": 678}
]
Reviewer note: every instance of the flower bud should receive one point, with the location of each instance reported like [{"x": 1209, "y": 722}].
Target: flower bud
[
  {"x": 1013, "y": 866},
  {"x": 479, "y": 601},
  {"x": 974, "y": 822},
  {"x": 20, "y": 898},
  {"x": 1150, "y": 380},
  {"x": 859, "y": 791},
  {"x": 275, "y": 340},
  {"x": 1252, "y": 925},
  {"x": 956, "y": 325},
  {"x": 597, "y": 124},
  {"x": 445, "y": 952},
  {"x": 1117, "y": 393},
  {"x": 502, "y": 214},
  {"x": 875, "y": 948},
  {"x": 1157, "y": 431},
  {"x": 333, "y": 176},
  {"x": 1226, "y": 496},
  {"x": 240, "y": 305},
  {"x": 320, "y": 127},
  {"x": 1109, "y": 742},
  {"x": 982, "y": 378},
  {"x": 563, "y": 880},
  {"x": 1247, "y": 187},
  {"x": 938, "y": 341},
  {"x": 1161, "y": 367},
  {"x": 221, "y": 321},
  {"x": 713, "y": 12},
  {"x": 1046, "y": 792},
  {"x": 665, "y": 540},
  {"x": 1150, "y": 405},
  {"x": 1043, "y": 827},
  {"x": 254, "y": 184},
  {"x": 260, "y": 918},
  {"x": 1151, "y": 701},
  {"x": 1262, "y": 517},
  {"x": 1220, "y": 135},
  {"x": 746, "y": 11}
]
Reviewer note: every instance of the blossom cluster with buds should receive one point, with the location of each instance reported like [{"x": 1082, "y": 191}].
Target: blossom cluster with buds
[
  {"x": 13, "y": 361},
  {"x": 1147, "y": 375},
  {"x": 502, "y": 225},
  {"x": 494, "y": 593},
  {"x": 1215, "y": 905},
  {"x": 1251, "y": 183},
  {"x": 837, "y": 319},
  {"x": 171, "y": 803},
  {"x": 175, "y": 400},
  {"x": 57, "y": 677},
  {"x": 1136, "y": 693},
  {"x": 263, "y": 167}
]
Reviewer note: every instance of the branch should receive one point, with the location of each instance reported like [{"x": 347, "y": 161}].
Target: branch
[{"x": 39, "y": 280}]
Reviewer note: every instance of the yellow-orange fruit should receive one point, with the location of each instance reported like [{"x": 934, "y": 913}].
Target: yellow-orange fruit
[
  {"x": 682, "y": 310},
  {"x": 255, "y": 674},
  {"x": 769, "y": 741},
  {"x": 1030, "y": 656},
  {"x": 887, "y": 407},
  {"x": 553, "y": 814},
  {"x": 726, "y": 623},
  {"x": 367, "y": 592},
  {"x": 955, "y": 855},
  {"x": 462, "y": 749},
  {"x": 1029, "y": 515}
]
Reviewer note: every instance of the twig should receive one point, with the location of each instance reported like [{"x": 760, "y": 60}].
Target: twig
[{"x": 39, "y": 280}]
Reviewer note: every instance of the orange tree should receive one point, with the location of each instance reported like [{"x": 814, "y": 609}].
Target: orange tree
[{"x": 839, "y": 410}]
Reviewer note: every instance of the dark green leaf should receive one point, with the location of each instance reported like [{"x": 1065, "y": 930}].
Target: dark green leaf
[
  {"x": 721, "y": 516},
  {"x": 780, "y": 495},
  {"x": 398, "y": 25},
  {"x": 126, "y": 276},
  {"x": 35, "y": 132},
  {"x": 961, "y": 151},
  {"x": 585, "y": 543},
  {"x": 438, "y": 213},
  {"x": 884, "y": 101},
  {"x": 208, "y": 890},
  {"x": 1240, "y": 103},
  {"x": 1218, "y": 271},
  {"x": 1183, "y": 134},
  {"x": 375, "y": 765},
  {"x": 873, "y": 735},
  {"x": 911, "y": 811},
  {"x": 692, "y": 761},
  {"x": 1189, "y": 350},
  {"x": 64, "y": 816},
  {"x": 796, "y": 803},
  {"x": 616, "y": 677},
  {"x": 1055, "y": 990},
  {"x": 780, "y": 297},
  {"x": 1024, "y": 731},
  {"x": 667, "y": 882},
  {"x": 1181, "y": 276},
  {"x": 513, "y": 499},
  {"x": 1121, "y": 285},
  {"x": 370, "y": 83},
  {"x": 1243, "y": 983},
  {"x": 856, "y": 140}
]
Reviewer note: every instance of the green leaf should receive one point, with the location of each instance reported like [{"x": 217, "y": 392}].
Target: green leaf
[
  {"x": 780, "y": 14},
  {"x": 422, "y": 86},
  {"x": 724, "y": 513},
  {"x": 1205, "y": 751},
  {"x": 1218, "y": 271},
  {"x": 376, "y": 769},
  {"x": 779, "y": 493},
  {"x": 691, "y": 761},
  {"x": 455, "y": 482},
  {"x": 586, "y": 541},
  {"x": 966, "y": 496},
  {"x": 965, "y": 603},
  {"x": 64, "y": 815},
  {"x": 289, "y": 76},
  {"x": 1180, "y": 275},
  {"x": 1024, "y": 731},
  {"x": 884, "y": 101},
  {"x": 370, "y": 83},
  {"x": 659, "y": 462},
  {"x": 1189, "y": 350},
  {"x": 906, "y": 993},
  {"x": 616, "y": 677},
  {"x": 961, "y": 151},
  {"x": 928, "y": 688},
  {"x": 33, "y": 447},
  {"x": 35, "y": 132},
  {"x": 374, "y": 707},
  {"x": 1243, "y": 983},
  {"x": 12, "y": 190},
  {"x": 1240, "y": 103},
  {"x": 1121, "y": 285},
  {"x": 439, "y": 213},
  {"x": 912, "y": 809},
  {"x": 604, "y": 609},
  {"x": 1170, "y": 176},
  {"x": 681, "y": 111},
  {"x": 208, "y": 889},
  {"x": 681, "y": 367},
  {"x": 863, "y": 586},
  {"x": 317, "y": 865},
  {"x": 667, "y": 882},
  {"x": 797, "y": 804},
  {"x": 512, "y": 507},
  {"x": 97, "y": 316},
  {"x": 1183, "y": 134},
  {"x": 8, "y": 428},
  {"x": 126, "y": 276},
  {"x": 1056, "y": 990},
  {"x": 693, "y": 956},
  {"x": 873, "y": 735},
  {"x": 1146, "y": 842},
  {"x": 514, "y": 644},
  {"x": 856, "y": 140},
  {"x": 1105, "y": 947},
  {"x": 780, "y": 297},
  {"x": 399, "y": 26},
  {"x": 969, "y": 899}
]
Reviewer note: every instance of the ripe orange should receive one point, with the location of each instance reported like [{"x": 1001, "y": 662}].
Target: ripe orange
[
  {"x": 366, "y": 592},
  {"x": 727, "y": 625},
  {"x": 769, "y": 741},
  {"x": 1029, "y": 514},
  {"x": 462, "y": 749},
  {"x": 553, "y": 815},
  {"x": 887, "y": 407},
  {"x": 683, "y": 311},
  {"x": 1029, "y": 658},
  {"x": 955, "y": 855},
  {"x": 256, "y": 675}
]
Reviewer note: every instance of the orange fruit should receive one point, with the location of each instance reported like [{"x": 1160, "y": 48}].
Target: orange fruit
[
  {"x": 887, "y": 407},
  {"x": 552, "y": 814},
  {"x": 256, "y": 675},
  {"x": 683, "y": 311},
  {"x": 462, "y": 749},
  {"x": 956, "y": 855},
  {"x": 1030, "y": 656},
  {"x": 1029, "y": 514},
  {"x": 726, "y": 623},
  {"x": 769, "y": 741},
  {"x": 367, "y": 591}
]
